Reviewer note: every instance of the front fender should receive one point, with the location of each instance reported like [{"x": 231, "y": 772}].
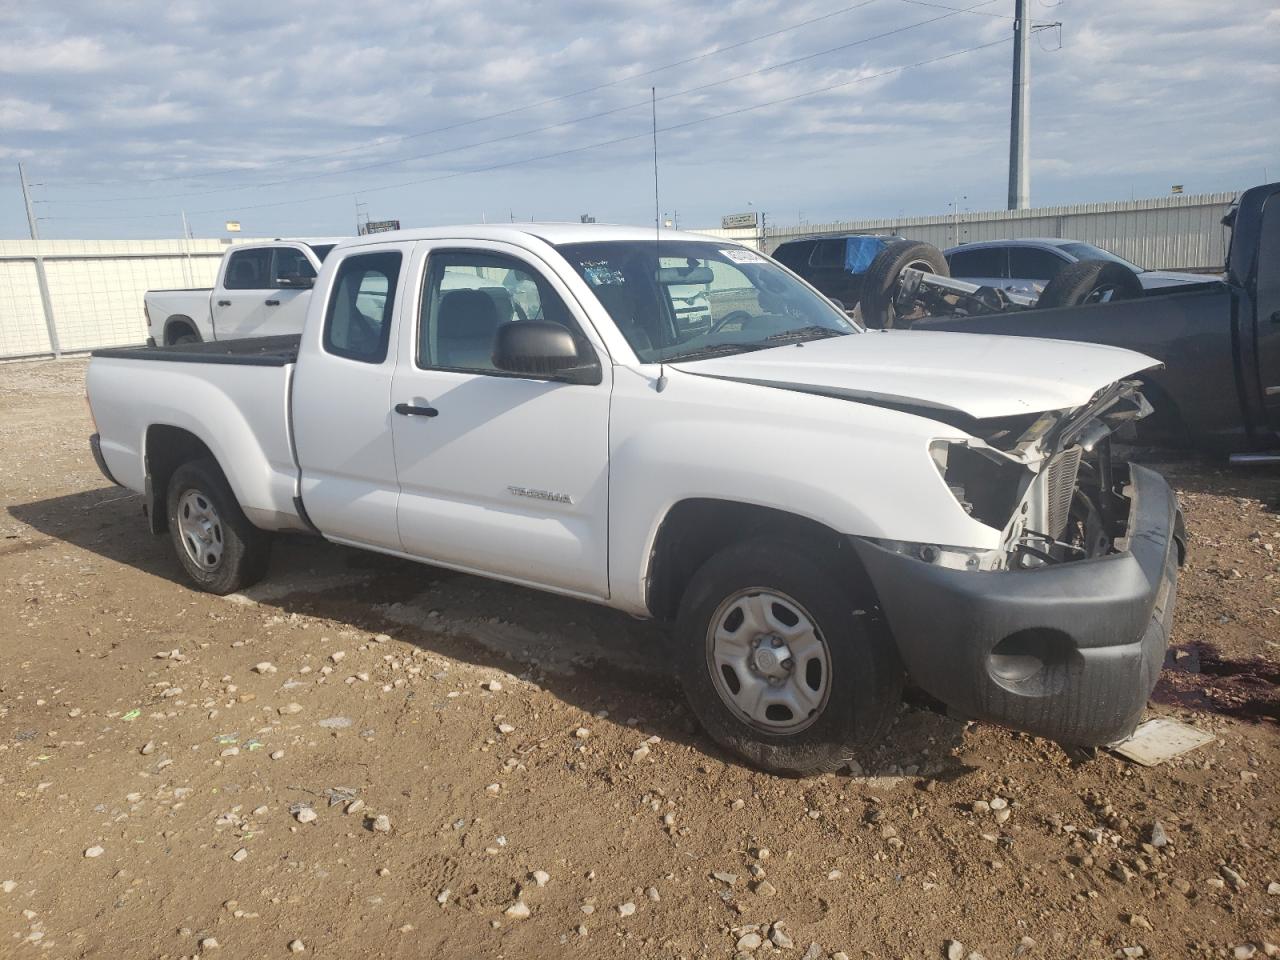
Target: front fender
[{"x": 854, "y": 468}]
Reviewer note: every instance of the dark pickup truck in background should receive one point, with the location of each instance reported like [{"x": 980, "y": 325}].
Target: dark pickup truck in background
[{"x": 1218, "y": 341}]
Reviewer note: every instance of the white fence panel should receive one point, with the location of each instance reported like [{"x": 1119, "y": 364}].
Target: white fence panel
[
  {"x": 22, "y": 328},
  {"x": 95, "y": 289},
  {"x": 1165, "y": 233}
]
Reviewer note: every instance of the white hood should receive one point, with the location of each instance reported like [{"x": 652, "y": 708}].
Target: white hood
[{"x": 975, "y": 374}]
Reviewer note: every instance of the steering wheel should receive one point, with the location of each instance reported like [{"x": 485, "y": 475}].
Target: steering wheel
[{"x": 733, "y": 315}]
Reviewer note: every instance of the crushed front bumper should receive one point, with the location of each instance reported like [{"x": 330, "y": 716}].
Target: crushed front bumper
[{"x": 1069, "y": 652}]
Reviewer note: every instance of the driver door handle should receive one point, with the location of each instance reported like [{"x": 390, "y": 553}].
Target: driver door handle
[
  {"x": 409, "y": 410},
  {"x": 224, "y": 303},
  {"x": 273, "y": 303}
]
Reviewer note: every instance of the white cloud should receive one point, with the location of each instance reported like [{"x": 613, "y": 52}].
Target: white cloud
[
  {"x": 224, "y": 95},
  {"x": 24, "y": 115}
]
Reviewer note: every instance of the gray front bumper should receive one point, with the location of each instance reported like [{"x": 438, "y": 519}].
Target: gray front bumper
[{"x": 1070, "y": 652}]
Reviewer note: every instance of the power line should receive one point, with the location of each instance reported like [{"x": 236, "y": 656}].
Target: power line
[
  {"x": 504, "y": 113},
  {"x": 525, "y": 133},
  {"x": 572, "y": 150}
]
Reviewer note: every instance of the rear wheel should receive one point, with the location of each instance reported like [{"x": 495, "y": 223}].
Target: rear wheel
[
  {"x": 1090, "y": 281},
  {"x": 779, "y": 662},
  {"x": 219, "y": 548},
  {"x": 882, "y": 282}
]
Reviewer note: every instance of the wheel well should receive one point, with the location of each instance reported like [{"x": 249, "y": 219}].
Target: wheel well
[
  {"x": 167, "y": 448},
  {"x": 1165, "y": 424},
  {"x": 695, "y": 530},
  {"x": 175, "y": 326}
]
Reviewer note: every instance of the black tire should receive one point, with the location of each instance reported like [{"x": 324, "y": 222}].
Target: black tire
[
  {"x": 881, "y": 282},
  {"x": 1090, "y": 281},
  {"x": 243, "y": 551},
  {"x": 864, "y": 688},
  {"x": 180, "y": 332}
]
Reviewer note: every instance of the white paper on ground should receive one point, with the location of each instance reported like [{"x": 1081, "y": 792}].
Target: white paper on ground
[{"x": 1160, "y": 739}]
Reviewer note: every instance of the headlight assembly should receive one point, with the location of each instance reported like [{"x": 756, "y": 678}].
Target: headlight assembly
[{"x": 986, "y": 484}]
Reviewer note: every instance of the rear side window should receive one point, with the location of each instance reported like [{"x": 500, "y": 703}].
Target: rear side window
[
  {"x": 247, "y": 270},
  {"x": 988, "y": 262},
  {"x": 1028, "y": 263},
  {"x": 357, "y": 320}
]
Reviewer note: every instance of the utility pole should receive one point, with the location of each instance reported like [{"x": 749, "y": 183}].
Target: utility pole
[
  {"x": 45, "y": 300},
  {"x": 1020, "y": 115},
  {"x": 186, "y": 249}
]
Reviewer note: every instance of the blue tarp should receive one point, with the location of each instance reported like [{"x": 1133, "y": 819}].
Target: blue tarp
[{"x": 860, "y": 251}]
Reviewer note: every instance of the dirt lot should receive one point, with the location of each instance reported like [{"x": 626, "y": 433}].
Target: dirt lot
[{"x": 158, "y": 793}]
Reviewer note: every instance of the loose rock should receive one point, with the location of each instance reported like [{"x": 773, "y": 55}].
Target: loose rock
[{"x": 518, "y": 911}]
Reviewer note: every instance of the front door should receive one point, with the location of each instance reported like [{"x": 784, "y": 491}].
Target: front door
[
  {"x": 499, "y": 474},
  {"x": 1268, "y": 308},
  {"x": 285, "y": 306}
]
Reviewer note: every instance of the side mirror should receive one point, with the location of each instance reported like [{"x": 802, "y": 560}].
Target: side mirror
[
  {"x": 297, "y": 281},
  {"x": 542, "y": 350}
]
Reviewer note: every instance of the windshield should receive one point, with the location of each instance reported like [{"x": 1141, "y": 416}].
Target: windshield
[
  {"x": 682, "y": 299},
  {"x": 1087, "y": 251}
]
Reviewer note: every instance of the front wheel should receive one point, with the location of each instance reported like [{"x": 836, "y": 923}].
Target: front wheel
[
  {"x": 781, "y": 662},
  {"x": 219, "y": 548}
]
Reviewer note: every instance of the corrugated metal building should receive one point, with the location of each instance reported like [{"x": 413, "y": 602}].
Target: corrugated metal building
[{"x": 1166, "y": 233}]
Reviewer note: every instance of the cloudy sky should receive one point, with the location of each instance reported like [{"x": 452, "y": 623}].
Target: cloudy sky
[{"x": 282, "y": 116}]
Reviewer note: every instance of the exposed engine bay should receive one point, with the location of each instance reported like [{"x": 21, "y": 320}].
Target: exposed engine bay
[{"x": 1046, "y": 481}]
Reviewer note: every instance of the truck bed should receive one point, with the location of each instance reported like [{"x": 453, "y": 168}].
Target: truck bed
[
  {"x": 278, "y": 351},
  {"x": 232, "y": 396}
]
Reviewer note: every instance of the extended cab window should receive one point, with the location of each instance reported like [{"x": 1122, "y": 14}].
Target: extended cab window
[
  {"x": 247, "y": 270},
  {"x": 357, "y": 321},
  {"x": 468, "y": 295},
  {"x": 289, "y": 263}
]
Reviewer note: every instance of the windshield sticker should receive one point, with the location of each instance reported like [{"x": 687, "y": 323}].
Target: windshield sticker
[
  {"x": 600, "y": 274},
  {"x": 742, "y": 255}
]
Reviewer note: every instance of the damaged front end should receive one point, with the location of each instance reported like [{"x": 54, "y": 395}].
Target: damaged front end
[
  {"x": 1046, "y": 481},
  {"x": 1061, "y": 629}
]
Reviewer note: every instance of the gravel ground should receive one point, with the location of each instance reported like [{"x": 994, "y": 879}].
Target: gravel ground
[{"x": 362, "y": 757}]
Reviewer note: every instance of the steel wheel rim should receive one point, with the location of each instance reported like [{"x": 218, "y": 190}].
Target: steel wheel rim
[
  {"x": 200, "y": 529},
  {"x": 768, "y": 661}
]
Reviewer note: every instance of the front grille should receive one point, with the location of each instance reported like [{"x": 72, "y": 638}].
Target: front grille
[{"x": 1060, "y": 486}]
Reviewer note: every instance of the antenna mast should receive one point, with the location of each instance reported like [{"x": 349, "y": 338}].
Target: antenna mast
[{"x": 657, "y": 219}]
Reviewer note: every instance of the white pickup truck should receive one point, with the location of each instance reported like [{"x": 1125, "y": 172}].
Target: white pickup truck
[
  {"x": 262, "y": 290},
  {"x": 817, "y": 509}
]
